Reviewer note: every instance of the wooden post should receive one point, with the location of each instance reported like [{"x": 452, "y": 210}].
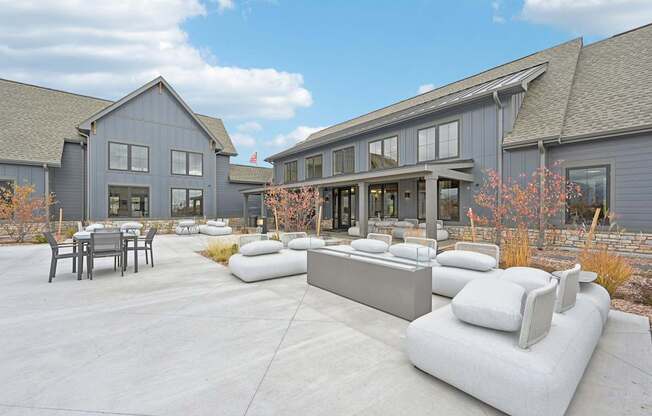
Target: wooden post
[
  {"x": 60, "y": 219},
  {"x": 319, "y": 221},
  {"x": 470, "y": 214},
  {"x": 594, "y": 224}
]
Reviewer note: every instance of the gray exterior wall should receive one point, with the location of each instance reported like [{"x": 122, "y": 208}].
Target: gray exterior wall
[
  {"x": 24, "y": 174},
  {"x": 67, "y": 183},
  {"x": 229, "y": 199},
  {"x": 156, "y": 120},
  {"x": 630, "y": 160}
]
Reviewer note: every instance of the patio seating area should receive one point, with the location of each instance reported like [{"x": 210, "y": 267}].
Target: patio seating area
[{"x": 188, "y": 337}]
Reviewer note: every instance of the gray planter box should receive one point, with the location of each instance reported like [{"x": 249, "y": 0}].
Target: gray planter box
[{"x": 403, "y": 289}]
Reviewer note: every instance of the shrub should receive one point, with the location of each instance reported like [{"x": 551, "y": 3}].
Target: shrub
[
  {"x": 220, "y": 251},
  {"x": 515, "y": 250},
  {"x": 40, "y": 239},
  {"x": 22, "y": 213},
  {"x": 70, "y": 232},
  {"x": 613, "y": 269}
]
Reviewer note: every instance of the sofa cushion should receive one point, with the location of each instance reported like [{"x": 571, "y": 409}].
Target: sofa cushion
[
  {"x": 448, "y": 281},
  {"x": 490, "y": 303},
  {"x": 212, "y": 230},
  {"x": 467, "y": 260},
  {"x": 413, "y": 251},
  {"x": 216, "y": 223},
  {"x": 370, "y": 246},
  {"x": 186, "y": 223},
  {"x": 306, "y": 243},
  {"x": 528, "y": 277},
  {"x": 404, "y": 224},
  {"x": 93, "y": 227},
  {"x": 257, "y": 248}
]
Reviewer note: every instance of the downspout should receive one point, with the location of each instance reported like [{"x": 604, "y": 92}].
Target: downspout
[
  {"x": 499, "y": 150},
  {"x": 46, "y": 192},
  {"x": 84, "y": 170},
  {"x": 542, "y": 189}
]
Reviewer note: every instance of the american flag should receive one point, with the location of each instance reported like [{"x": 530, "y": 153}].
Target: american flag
[{"x": 254, "y": 158}]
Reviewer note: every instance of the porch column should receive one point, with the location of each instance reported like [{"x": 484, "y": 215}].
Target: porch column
[
  {"x": 245, "y": 209},
  {"x": 431, "y": 206},
  {"x": 363, "y": 190},
  {"x": 262, "y": 205},
  {"x": 542, "y": 190}
]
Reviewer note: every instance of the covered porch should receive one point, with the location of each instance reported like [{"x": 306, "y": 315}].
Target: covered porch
[{"x": 408, "y": 192}]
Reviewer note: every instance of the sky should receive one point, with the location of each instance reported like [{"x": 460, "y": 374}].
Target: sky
[{"x": 277, "y": 70}]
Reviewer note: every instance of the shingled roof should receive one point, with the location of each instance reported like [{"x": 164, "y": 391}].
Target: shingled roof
[
  {"x": 612, "y": 91},
  {"x": 37, "y": 120},
  {"x": 250, "y": 174}
]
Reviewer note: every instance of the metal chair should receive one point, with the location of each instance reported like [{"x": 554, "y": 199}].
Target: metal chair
[
  {"x": 56, "y": 255},
  {"x": 147, "y": 246},
  {"x": 105, "y": 244}
]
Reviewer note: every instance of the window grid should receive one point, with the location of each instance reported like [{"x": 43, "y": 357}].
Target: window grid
[
  {"x": 186, "y": 163},
  {"x": 128, "y": 157},
  {"x": 344, "y": 161},
  {"x": 383, "y": 153},
  {"x": 290, "y": 172},
  {"x": 186, "y": 202},
  {"x": 313, "y": 167}
]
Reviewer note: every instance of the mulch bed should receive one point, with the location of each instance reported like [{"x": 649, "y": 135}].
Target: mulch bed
[{"x": 635, "y": 296}]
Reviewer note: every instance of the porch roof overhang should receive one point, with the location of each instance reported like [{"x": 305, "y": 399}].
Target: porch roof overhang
[{"x": 447, "y": 170}]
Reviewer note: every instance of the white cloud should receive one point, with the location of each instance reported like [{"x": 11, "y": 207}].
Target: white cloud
[
  {"x": 298, "y": 134},
  {"x": 243, "y": 139},
  {"x": 115, "y": 47},
  {"x": 249, "y": 127},
  {"x": 497, "y": 17},
  {"x": 595, "y": 17},
  {"x": 425, "y": 88},
  {"x": 223, "y": 5}
]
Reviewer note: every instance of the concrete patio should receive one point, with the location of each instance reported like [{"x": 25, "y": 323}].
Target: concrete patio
[{"x": 187, "y": 338}]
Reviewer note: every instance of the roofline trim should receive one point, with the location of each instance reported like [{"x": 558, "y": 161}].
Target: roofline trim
[
  {"x": 344, "y": 135},
  {"x": 86, "y": 124},
  {"x": 31, "y": 163}
]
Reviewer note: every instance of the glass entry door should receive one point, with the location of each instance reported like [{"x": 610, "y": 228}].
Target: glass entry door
[{"x": 343, "y": 207}]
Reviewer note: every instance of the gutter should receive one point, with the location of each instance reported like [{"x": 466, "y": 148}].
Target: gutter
[{"x": 85, "y": 169}]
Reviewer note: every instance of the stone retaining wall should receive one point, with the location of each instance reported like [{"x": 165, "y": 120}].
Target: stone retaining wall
[{"x": 627, "y": 242}]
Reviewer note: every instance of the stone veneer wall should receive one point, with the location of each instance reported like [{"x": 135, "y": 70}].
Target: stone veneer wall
[{"x": 627, "y": 242}]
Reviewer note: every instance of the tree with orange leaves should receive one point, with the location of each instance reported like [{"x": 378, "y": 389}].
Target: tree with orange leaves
[{"x": 22, "y": 213}]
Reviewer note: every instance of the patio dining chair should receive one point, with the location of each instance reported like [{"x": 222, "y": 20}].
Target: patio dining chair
[
  {"x": 57, "y": 255},
  {"x": 148, "y": 240},
  {"x": 105, "y": 244}
]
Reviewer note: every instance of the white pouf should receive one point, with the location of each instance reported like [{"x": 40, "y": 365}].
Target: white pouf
[
  {"x": 269, "y": 266},
  {"x": 214, "y": 231}
]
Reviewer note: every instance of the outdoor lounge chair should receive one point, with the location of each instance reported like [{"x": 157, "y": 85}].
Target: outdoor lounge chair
[
  {"x": 58, "y": 255},
  {"x": 493, "y": 366}
]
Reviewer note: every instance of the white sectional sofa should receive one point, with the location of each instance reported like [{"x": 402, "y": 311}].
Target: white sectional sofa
[
  {"x": 216, "y": 228},
  {"x": 276, "y": 259},
  {"x": 534, "y": 371}
]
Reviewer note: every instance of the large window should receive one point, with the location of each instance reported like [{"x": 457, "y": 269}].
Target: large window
[
  {"x": 187, "y": 163},
  {"x": 438, "y": 142},
  {"x": 449, "y": 200},
  {"x": 128, "y": 202},
  {"x": 383, "y": 200},
  {"x": 383, "y": 153},
  {"x": 344, "y": 161},
  {"x": 187, "y": 202},
  {"x": 290, "y": 172},
  {"x": 130, "y": 157},
  {"x": 314, "y": 167},
  {"x": 594, "y": 182}
]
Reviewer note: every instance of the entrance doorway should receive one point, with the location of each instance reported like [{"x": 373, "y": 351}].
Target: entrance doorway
[{"x": 343, "y": 207}]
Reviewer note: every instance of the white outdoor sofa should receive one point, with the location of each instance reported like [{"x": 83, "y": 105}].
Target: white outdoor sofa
[
  {"x": 216, "y": 227},
  {"x": 534, "y": 371},
  {"x": 284, "y": 262},
  {"x": 448, "y": 281}
]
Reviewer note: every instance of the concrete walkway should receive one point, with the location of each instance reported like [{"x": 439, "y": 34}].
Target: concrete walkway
[{"x": 187, "y": 338}]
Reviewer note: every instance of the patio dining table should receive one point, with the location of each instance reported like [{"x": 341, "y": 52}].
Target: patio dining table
[{"x": 83, "y": 238}]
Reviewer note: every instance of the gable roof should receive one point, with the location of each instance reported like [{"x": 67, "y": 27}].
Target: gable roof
[
  {"x": 250, "y": 174},
  {"x": 37, "y": 120}
]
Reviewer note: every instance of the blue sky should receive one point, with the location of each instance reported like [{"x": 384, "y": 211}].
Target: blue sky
[{"x": 277, "y": 70}]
